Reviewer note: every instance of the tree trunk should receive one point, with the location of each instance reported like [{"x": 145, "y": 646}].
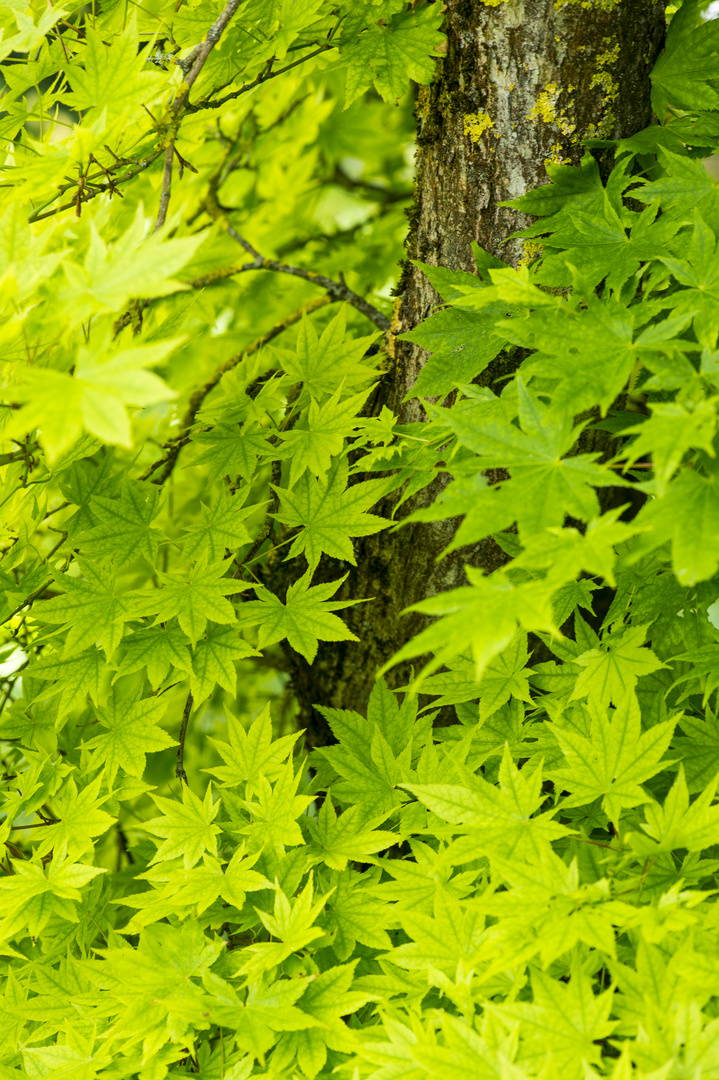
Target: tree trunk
[{"x": 522, "y": 82}]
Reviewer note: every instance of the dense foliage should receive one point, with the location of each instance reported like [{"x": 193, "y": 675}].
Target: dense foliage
[{"x": 528, "y": 892}]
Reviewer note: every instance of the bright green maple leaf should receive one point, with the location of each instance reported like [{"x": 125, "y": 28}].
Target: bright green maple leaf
[
  {"x": 448, "y": 941},
  {"x": 697, "y": 271},
  {"x": 353, "y": 913},
  {"x": 292, "y": 923},
  {"x": 312, "y": 443},
  {"x": 112, "y": 75},
  {"x": 266, "y": 1010},
  {"x": 184, "y": 891},
  {"x": 138, "y": 264},
  {"x": 73, "y": 678},
  {"x": 686, "y": 68},
  {"x": 252, "y": 753},
  {"x": 131, "y": 733},
  {"x": 500, "y": 821},
  {"x": 80, "y": 819},
  {"x": 614, "y": 760},
  {"x": 548, "y": 482},
  {"x": 93, "y": 399},
  {"x": 198, "y": 596},
  {"x": 330, "y": 513},
  {"x": 687, "y": 517},
  {"x": 326, "y": 1000},
  {"x": 220, "y": 528},
  {"x": 90, "y": 609},
  {"x": 213, "y": 661},
  {"x": 611, "y": 671},
  {"x": 483, "y": 617},
  {"x": 677, "y": 824},
  {"x": 564, "y": 1022},
  {"x": 233, "y": 450},
  {"x": 158, "y": 648},
  {"x": 462, "y": 344},
  {"x": 338, "y": 838},
  {"x": 124, "y": 525},
  {"x": 273, "y": 810},
  {"x": 684, "y": 187},
  {"x": 304, "y": 619},
  {"x": 187, "y": 828},
  {"x": 324, "y": 364},
  {"x": 34, "y": 893},
  {"x": 669, "y": 432},
  {"x": 385, "y": 55}
]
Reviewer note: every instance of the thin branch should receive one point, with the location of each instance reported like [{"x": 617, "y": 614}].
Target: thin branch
[
  {"x": 95, "y": 190},
  {"x": 180, "y": 766},
  {"x": 166, "y": 185},
  {"x": 200, "y": 54},
  {"x": 265, "y": 76},
  {"x": 167, "y": 461},
  {"x": 338, "y": 290}
]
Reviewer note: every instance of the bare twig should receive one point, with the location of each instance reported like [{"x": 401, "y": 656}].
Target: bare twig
[
  {"x": 166, "y": 185},
  {"x": 180, "y": 766}
]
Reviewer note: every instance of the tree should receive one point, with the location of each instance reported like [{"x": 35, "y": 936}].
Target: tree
[
  {"x": 200, "y": 219},
  {"x": 512, "y": 93}
]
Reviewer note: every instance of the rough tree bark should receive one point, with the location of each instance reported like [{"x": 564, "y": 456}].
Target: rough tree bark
[{"x": 522, "y": 82}]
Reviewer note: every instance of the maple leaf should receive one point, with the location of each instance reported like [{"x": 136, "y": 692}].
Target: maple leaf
[
  {"x": 198, "y": 596},
  {"x": 186, "y": 828},
  {"x": 292, "y": 924},
  {"x": 74, "y": 678},
  {"x": 90, "y": 609},
  {"x": 81, "y": 819},
  {"x": 386, "y": 54},
  {"x": 677, "y": 824},
  {"x": 213, "y": 661},
  {"x": 330, "y": 513},
  {"x": 268, "y": 1008},
  {"x": 503, "y": 821},
  {"x": 338, "y": 838},
  {"x": 313, "y": 442},
  {"x": 326, "y": 363},
  {"x": 157, "y": 648},
  {"x": 687, "y": 517},
  {"x": 33, "y": 893},
  {"x": 273, "y": 810},
  {"x": 610, "y": 672},
  {"x": 614, "y": 760},
  {"x": 574, "y": 1016},
  {"x": 220, "y": 528},
  {"x": 353, "y": 913},
  {"x": 685, "y": 69},
  {"x": 304, "y": 619},
  {"x": 233, "y": 450},
  {"x": 124, "y": 525},
  {"x": 113, "y": 75},
  {"x": 685, "y": 186},
  {"x": 326, "y": 1000},
  {"x": 253, "y": 753},
  {"x": 131, "y": 734},
  {"x": 447, "y": 941}
]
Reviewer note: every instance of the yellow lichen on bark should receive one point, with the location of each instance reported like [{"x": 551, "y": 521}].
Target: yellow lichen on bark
[
  {"x": 546, "y": 110},
  {"x": 475, "y": 124}
]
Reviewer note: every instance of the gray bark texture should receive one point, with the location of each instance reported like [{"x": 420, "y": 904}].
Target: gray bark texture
[{"x": 522, "y": 82}]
